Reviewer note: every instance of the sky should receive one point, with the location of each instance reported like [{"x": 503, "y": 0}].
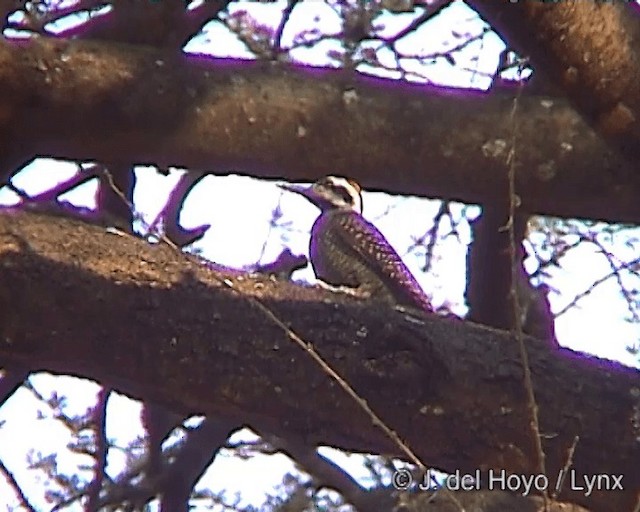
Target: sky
[{"x": 240, "y": 211}]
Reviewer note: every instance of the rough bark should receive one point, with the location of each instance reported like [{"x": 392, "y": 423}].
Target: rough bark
[
  {"x": 99, "y": 101},
  {"x": 589, "y": 50},
  {"x": 155, "y": 325}
]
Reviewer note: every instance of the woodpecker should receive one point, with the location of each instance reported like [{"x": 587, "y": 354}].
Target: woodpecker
[{"x": 348, "y": 251}]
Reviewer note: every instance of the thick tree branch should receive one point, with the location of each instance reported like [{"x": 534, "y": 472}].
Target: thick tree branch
[
  {"x": 489, "y": 267},
  {"x": 196, "y": 454},
  {"x": 589, "y": 50},
  {"x": 156, "y": 325},
  {"x": 12, "y": 379},
  {"x": 271, "y": 120}
]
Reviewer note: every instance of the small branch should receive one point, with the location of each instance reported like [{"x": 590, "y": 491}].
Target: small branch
[
  {"x": 431, "y": 236},
  {"x": 325, "y": 473},
  {"x": 99, "y": 428},
  {"x": 566, "y": 467},
  {"x": 277, "y": 38},
  {"x": 596, "y": 283},
  {"x": 168, "y": 217},
  {"x": 429, "y": 13},
  {"x": 13, "y": 483}
]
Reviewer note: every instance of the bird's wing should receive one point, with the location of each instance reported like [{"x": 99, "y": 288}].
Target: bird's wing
[{"x": 369, "y": 244}]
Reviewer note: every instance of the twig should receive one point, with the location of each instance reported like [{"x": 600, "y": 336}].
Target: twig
[
  {"x": 277, "y": 38},
  {"x": 517, "y": 309},
  {"x": 428, "y": 13},
  {"x": 16, "y": 487},
  {"x": 99, "y": 426},
  {"x": 565, "y": 469},
  {"x": 596, "y": 283},
  {"x": 431, "y": 235}
]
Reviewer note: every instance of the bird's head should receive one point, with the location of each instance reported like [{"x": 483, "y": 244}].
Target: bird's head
[{"x": 331, "y": 193}]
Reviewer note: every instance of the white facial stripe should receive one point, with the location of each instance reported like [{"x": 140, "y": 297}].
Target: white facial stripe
[
  {"x": 356, "y": 198},
  {"x": 339, "y": 181}
]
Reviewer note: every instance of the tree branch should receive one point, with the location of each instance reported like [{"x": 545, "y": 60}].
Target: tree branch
[
  {"x": 273, "y": 120},
  {"x": 153, "y": 323},
  {"x": 589, "y": 50}
]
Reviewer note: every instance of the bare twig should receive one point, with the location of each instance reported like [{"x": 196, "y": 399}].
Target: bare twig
[
  {"x": 99, "y": 426},
  {"x": 615, "y": 270},
  {"x": 16, "y": 487},
  {"x": 429, "y": 12},
  {"x": 596, "y": 283},
  {"x": 37, "y": 22},
  {"x": 567, "y": 465},
  {"x": 517, "y": 309},
  {"x": 431, "y": 236},
  {"x": 323, "y": 471},
  {"x": 277, "y": 38}
]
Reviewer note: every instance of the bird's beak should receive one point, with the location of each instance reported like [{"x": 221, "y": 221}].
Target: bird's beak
[{"x": 299, "y": 189}]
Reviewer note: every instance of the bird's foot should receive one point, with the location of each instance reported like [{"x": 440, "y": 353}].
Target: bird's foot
[{"x": 357, "y": 293}]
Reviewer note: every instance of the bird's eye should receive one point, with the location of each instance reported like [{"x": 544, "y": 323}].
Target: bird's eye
[{"x": 343, "y": 194}]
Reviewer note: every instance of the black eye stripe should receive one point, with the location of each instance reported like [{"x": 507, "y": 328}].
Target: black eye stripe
[{"x": 343, "y": 193}]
